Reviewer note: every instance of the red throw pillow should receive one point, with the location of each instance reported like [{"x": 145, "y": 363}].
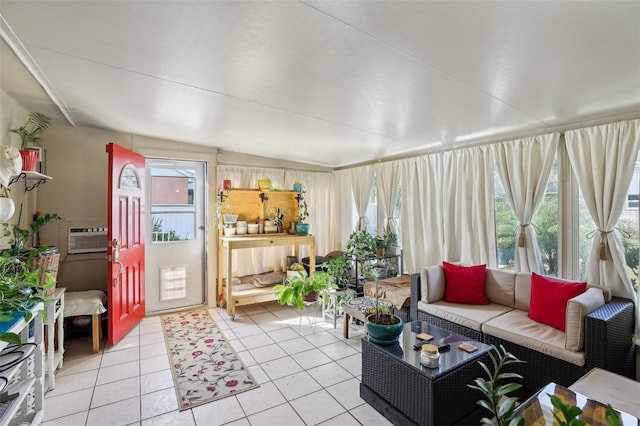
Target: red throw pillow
[
  {"x": 549, "y": 297},
  {"x": 465, "y": 284}
]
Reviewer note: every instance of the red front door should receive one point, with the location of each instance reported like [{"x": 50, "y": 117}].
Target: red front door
[{"x": 126, "y": 231}]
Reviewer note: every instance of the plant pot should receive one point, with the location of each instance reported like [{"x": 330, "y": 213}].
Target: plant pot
[
  {"x": 380, "y": 251},
  {"x": 311, "y": 297},
  {"x": 7, "y": 208},
  {"x": 383, "y": 334},
  {"x": 29, "y": 160},
  {"x": 297, "y": 187},
  {"x": 302, "y": 228}
]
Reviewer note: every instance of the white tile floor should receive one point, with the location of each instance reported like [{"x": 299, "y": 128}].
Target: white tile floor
[{"x": 306, "y": 376}]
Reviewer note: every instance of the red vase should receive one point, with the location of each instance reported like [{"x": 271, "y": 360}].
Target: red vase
[{"x": 29, "y": 160}]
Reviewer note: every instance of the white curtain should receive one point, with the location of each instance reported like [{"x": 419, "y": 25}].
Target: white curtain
[
  {"x": 342, "y": 211},
  {"x": 468, "y": 207},
  {"x": 524, "y": 166},
  {"x": 422, "y": 237},
  {"x": 388, "y": 178},
  {"x": 603, "y": 159},
  {"x": 319, "y": 198},
  {"x": 361, "y": 182}
]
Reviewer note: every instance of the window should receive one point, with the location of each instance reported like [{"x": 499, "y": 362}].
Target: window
[
  {"x": 506, "y": 225},
  {"x": 172, "y": 205},
  {"x": 627, "y": 229},
  {"x": 545, "y": 225}
]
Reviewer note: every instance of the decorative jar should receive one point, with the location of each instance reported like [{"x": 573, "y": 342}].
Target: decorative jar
[{"x": 429, "y": 356}]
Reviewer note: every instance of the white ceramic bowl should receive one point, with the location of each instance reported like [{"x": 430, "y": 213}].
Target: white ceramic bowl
[
  {"x": 270, "y": 229},
  {"x": 241, "y": 224},
  {"x": 229, "y": 231},
  {"x": 241, "y": 230},
  {"x": 252, "y": 228}
]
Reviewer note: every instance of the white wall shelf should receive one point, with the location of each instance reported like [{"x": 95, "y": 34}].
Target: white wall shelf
[{"x": 27, "y": 176}]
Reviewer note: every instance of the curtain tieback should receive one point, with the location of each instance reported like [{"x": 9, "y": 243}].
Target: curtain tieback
[
  {"x": 522, "y": 239},
  {"x": 602, "y": 252},
  {"x": 362, "y": 223}
]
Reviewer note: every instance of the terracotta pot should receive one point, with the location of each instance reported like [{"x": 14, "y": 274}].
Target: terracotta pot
[
  {"x": 29, "y": 160},
  {"x": 311, "y": 297}
]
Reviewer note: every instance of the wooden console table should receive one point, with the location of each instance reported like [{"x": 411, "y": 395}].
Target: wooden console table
[{"x": 227, "y": 244}]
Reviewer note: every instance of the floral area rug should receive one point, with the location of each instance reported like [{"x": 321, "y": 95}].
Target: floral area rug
[{"x": 204, "y": 366}]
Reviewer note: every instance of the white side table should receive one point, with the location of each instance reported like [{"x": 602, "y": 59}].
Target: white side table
[
  {"x": 333, "y": 308},
  {"x": 54, "y": 356},
  {"x": 610, "y": 388}
]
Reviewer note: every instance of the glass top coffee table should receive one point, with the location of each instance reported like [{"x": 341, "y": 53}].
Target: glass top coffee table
[{"x": 405, "y": 392}]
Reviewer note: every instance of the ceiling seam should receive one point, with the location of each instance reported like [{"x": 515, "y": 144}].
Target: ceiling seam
[{"x": 27, "y": 60}]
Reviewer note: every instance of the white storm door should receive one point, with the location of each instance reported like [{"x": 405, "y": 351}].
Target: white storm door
[{"x": 176, "y": 235}]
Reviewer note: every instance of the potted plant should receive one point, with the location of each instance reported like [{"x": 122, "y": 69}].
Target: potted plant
[
  {"x": 361, "y": 247},
  {"x": 30, "y": 133},
  {"x": 302, "y": 227},
  {"x": 23, "y": 282},
  {"x": 380, "y": 245},
  {"x": 383, "y": 327},
  {"x": 301, "y": 287},
  {"x": 390, "y": 243},
  {"x": 21, "y": 287},
  {"x": 18, "y": 237},
  {"x": 340, "y": 270},
  {"x": 276, "y": 218}
]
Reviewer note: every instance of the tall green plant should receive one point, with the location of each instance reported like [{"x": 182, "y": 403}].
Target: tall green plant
[
  {"x": 498, "y": 402},
  {"x": 35, "y": 126}
]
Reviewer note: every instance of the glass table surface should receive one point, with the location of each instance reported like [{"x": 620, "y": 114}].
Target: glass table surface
[{"x": 449, "y": 359}]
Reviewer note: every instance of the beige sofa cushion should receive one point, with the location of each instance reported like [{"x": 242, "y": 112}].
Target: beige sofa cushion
[
  {"x": 577, "y": 308},
  {"x": 523, "y": 290},
  {"x": 471, "y": 316},
  {"x": 499, "y": 287},
  {"x": 432, "y": 283},
  {"x": 516, "y": 326}
]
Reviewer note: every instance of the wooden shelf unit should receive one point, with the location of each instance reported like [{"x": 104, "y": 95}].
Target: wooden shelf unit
[
  {"x": 253, "y": 204},
  {"x": 227, "y": 244}
]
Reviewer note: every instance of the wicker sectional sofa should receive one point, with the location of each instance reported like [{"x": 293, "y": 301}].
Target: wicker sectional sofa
[{"x": 598, "y": 334}]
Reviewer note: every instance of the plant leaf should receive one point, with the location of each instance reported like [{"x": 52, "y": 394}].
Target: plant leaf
[{"x": 10, "y": 338}]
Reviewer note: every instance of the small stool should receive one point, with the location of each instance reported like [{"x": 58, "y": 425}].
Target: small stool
[{"x": 90, "y": 302}]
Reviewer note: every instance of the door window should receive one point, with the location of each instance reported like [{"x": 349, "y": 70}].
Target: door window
[{"x": 173, "y": 211}]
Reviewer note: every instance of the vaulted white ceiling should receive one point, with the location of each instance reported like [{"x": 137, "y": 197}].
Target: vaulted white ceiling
[{"x": 327, "y": 83}]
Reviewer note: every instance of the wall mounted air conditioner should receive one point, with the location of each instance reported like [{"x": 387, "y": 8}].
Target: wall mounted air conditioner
[{"x": 87, "y": 240}]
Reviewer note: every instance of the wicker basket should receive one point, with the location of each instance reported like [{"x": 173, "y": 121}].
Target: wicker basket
[{"x": 47, "y": 263}]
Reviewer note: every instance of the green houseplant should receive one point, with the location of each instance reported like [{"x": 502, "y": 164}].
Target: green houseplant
[
  {"x": 340, "y": 269},
  {"x": 498, "y": 402},
  {"x": 30, "y": 132},
  {"x": 383, "y": 327},
  {"x": 22, "y": 284},
  {"x": 300, "y": 285},
  {"x": 361, "y": 247}
]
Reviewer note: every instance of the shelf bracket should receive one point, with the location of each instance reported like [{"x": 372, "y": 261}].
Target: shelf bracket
[
  {"x": 34, "y": 186},
  {"x": 263, "y": 197}
]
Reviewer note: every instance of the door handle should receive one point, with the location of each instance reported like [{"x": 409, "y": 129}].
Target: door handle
[
  {"x": 116, "y": 280},
  {"x": 201, "y": 227},
  {"x": 116, "y": 259}
]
